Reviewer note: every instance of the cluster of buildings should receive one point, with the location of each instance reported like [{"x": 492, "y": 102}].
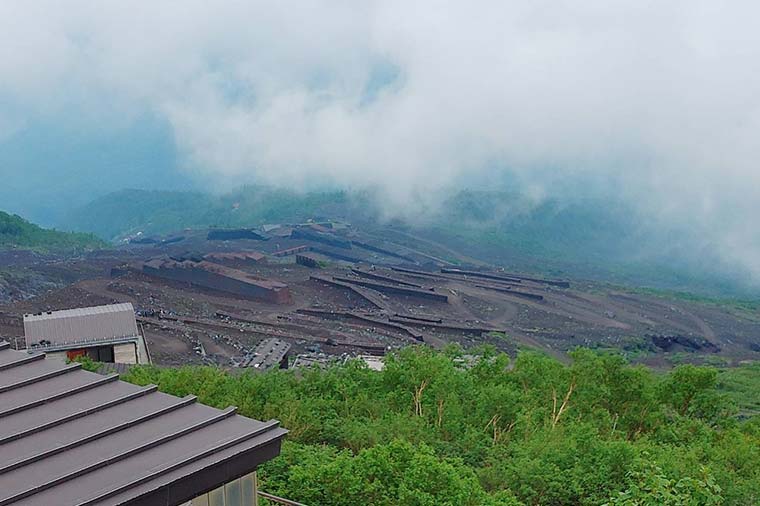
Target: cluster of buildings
[{"x": 73, "y": 437}]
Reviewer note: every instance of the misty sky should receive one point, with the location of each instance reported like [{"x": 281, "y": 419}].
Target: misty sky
[{"x": 657, "y": 103}]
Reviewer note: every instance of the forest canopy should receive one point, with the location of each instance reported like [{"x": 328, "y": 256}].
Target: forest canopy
[{"x": 444, "y": 428}]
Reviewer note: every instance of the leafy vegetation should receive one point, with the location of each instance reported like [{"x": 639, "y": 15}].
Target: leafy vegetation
[
  {"x": 429, "y": 431},
  {"x": 16, "y": 232},
  {"x": 88, "y": 364},
  {"x": 742, "y": 384}
]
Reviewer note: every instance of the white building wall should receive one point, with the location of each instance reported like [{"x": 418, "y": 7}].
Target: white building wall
[{"x": 125, "y": 353}]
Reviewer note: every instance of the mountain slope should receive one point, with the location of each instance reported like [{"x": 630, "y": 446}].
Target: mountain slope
[
  {"x": 156, "y": 212},
  {"x": 581, "y": 238},
  {"x": 16, "y": 232}
]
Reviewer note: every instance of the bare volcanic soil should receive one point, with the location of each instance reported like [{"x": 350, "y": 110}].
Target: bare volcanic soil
[{"x": 348, "y": 300}]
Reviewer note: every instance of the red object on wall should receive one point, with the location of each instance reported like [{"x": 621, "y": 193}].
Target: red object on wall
[{"x": 73, "y": 354}]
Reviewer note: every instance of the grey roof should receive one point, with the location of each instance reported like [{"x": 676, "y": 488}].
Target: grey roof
[
  {"x": 71, "y": 437},
  {"x": 81, "y": 324}
]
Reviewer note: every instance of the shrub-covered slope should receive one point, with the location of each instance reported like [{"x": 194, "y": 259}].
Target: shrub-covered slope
[{"x": 429, "y": 431}]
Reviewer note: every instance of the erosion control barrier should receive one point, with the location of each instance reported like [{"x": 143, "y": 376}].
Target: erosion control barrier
[
  {"x": 380, "y": 277},
  {"x": 394, "y": 289},
  {"x": 372, "y": 298},
  {"x": 351, "y": 315},
  {"x": 524, "y": 295}
]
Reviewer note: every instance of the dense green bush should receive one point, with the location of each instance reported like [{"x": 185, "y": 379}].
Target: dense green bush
[{"x": 427, "y": 430}]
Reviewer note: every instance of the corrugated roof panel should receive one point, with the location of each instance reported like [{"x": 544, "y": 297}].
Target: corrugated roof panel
[
  {"x": 81, "y": 438},
  {"x": 48, "y": 389},
  {"x": 81, "y": 324},
  {"x": 62, "y": 408}
]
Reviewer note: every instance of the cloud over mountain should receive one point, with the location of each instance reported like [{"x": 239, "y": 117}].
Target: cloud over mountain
[{"x": 654, "y": 103}]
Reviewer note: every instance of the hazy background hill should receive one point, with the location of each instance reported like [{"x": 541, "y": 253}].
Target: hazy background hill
[
  {"x": 48, "y": 169},
  {"x": 126, "y": 212}
]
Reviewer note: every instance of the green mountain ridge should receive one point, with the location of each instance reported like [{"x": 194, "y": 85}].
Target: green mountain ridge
[{"x": 16, "y": 232}]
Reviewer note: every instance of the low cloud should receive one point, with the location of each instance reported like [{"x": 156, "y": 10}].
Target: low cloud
[{"x": 656, "y": 103}]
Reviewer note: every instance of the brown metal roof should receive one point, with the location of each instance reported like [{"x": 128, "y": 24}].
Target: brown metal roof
[
  {"x": 71, "y": 437},
  {"x": 81, "y": 324}
]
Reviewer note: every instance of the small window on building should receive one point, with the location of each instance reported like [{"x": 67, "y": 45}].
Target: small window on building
[
  {"x": 240, "y": 492},
  {"x": 216, "y": 497},
  {"x": 248, "y": 488},
  {"x": 232, "y": 494}
]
